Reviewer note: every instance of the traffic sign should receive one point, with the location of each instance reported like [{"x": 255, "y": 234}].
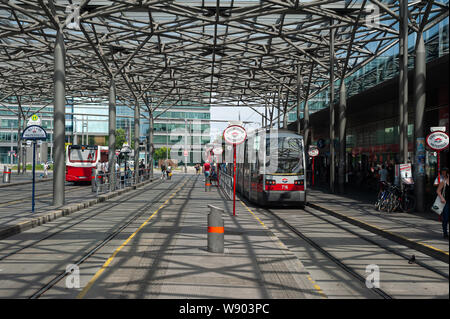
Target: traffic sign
[
  {"x": 234, "y": 134},
  {"x": 34, "y": 120},
  {"x": 34, "y": 132},
  {"x": 437, "y": 141},
  {"x": 313, "y": 151},
  {"x": 218, "y": 150}
]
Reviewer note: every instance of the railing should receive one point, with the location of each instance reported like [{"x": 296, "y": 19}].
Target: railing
[
  {"x": 226, "y": 183},
  {"x": 108, "y": 182}
]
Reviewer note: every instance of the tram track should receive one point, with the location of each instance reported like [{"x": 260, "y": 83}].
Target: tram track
[
  {"x": 378, "y": 292},
  {"x": 90, "y": 216},
  {"x": 139, "y": 212},
  {"x": 18, "y": 201}
]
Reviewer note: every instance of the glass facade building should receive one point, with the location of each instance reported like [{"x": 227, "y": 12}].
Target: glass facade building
[
  {"x": 87, "y": 123},
  {"x": 383, "y": 68}
]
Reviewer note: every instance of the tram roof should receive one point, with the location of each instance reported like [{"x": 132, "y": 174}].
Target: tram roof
[{"x": 208, "y": 52}]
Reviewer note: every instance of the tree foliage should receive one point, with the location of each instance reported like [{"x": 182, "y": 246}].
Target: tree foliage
[
  {"x": 161, "y": 153},
  {"x": 120, "y": 138}
]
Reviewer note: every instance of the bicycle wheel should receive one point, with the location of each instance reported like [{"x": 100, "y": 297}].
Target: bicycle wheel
[
  {"x": 393, "y": 203},
  {"x": 408, "y": 204}
]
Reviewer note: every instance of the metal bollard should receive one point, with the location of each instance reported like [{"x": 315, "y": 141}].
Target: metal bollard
[
  {"x": 216, "y": 230},
  {"x": 94, "y": 180},
  {"x": 207, "y": 184},
  {"x": 6, "y": 175}
]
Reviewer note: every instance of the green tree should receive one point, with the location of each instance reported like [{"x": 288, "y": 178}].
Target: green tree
[
  {"x": 161, "y": 153},
  {"x": 120, "y": 138}
]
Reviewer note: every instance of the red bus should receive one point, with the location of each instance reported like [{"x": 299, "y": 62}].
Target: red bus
[{"x": 80, "y": 159}]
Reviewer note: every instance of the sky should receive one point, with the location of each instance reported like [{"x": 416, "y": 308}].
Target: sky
[{"x": 232, "y": 113}]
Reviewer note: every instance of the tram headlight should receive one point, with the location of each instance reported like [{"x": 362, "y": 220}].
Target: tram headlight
[
  {"x": 270, "y": 182},
  {"x": 299, "y": 182}
]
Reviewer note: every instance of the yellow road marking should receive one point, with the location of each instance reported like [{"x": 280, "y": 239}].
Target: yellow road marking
[
  {"x": 317, "y": 287},
  {"x": 106, "y": 264}
]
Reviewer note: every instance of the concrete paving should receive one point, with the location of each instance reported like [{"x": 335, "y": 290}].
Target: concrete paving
[
  {"x": 165, "y": 258},
  {"x": 169, "y": 258},
  {"x": 15, "y": 201},
  {"x": 398, "y": 277}
]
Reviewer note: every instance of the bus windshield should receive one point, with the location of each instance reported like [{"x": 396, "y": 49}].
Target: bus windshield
[
  {"x": 290, "y": 155},
  {"x": 82, "y": 155}
]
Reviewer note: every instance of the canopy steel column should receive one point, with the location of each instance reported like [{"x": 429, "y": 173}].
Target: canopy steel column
[
  {"x": 150, "y": 142},
  {"x": 112, "y": 134},
  {"x": 306, "y": 128},
  {"x": 137, "y": 133},
  {"x": 24, "y": 151},
  {"x": 403, "y": 81},
  {"x": 59, "y": 80},
  {"x": 265, "y": 114},
  {"x": 419, "y": 99},
  {"x": 279, "y": 105},
  {"x": 332, "y": 155},
  {"x": 342, "y": 127},
  {"x": 285, "y": 119},
  {"x": 19, "y": 142}
]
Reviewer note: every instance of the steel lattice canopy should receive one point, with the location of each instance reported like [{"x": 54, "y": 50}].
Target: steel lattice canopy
[{"x": 218, "y": 52}]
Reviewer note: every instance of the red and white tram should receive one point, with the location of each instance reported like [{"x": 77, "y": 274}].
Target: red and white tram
[
  {"x": 80, "y": 159},
  {"x": 273, "y": 168}
]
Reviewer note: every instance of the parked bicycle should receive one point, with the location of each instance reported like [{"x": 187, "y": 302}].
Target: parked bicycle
[
  {"x": 384, "y": 197},
  {"x": 403, "y": 199},
  {"x": 392, "y": 198}
]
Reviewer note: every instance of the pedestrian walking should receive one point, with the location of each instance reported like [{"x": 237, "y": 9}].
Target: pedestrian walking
[
  {"x": 46, "y": 170},
  {"x": 197, "y": 169},
  {"x": 442, "y": 191},
  {"x": 383, "y": 177},
  {"x": 207, "y": 169}
]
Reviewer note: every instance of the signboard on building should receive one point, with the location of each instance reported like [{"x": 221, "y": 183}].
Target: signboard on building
[
  {"x": 406, "y": 173},
  {"x": 438, "y": 128}
]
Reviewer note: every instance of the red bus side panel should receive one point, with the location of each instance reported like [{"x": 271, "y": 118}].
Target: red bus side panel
[{"x": 78, "y": 174}]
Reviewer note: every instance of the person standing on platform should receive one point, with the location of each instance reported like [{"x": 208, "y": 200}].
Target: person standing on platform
[
  {"x": 442, "y": 191},
  {"x": 383, "y": 177}
]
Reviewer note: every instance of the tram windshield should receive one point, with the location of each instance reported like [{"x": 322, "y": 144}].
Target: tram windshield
[
  {"x": 289, "y": 155},
  {"x": 82, "y": 154}
]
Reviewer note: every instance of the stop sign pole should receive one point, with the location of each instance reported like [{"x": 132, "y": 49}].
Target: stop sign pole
[
  {"x": 313, "y": 152},
  {"x": 234, "y": 134}
]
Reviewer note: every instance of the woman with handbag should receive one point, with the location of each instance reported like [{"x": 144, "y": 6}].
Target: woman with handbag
[{"x": 444, "y": 185}]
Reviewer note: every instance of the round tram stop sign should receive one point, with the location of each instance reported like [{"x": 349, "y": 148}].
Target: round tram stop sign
[
  {"x": 437, "y": 141},
  {"x": 313, "y": 151},
  {"x": 235, "y": 134}
]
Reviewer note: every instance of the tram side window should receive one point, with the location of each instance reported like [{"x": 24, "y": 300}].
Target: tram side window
[{"x": 104, "y": 157}]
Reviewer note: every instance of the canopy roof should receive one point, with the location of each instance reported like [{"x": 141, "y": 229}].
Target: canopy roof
[{"x": 213, "y": 52}]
